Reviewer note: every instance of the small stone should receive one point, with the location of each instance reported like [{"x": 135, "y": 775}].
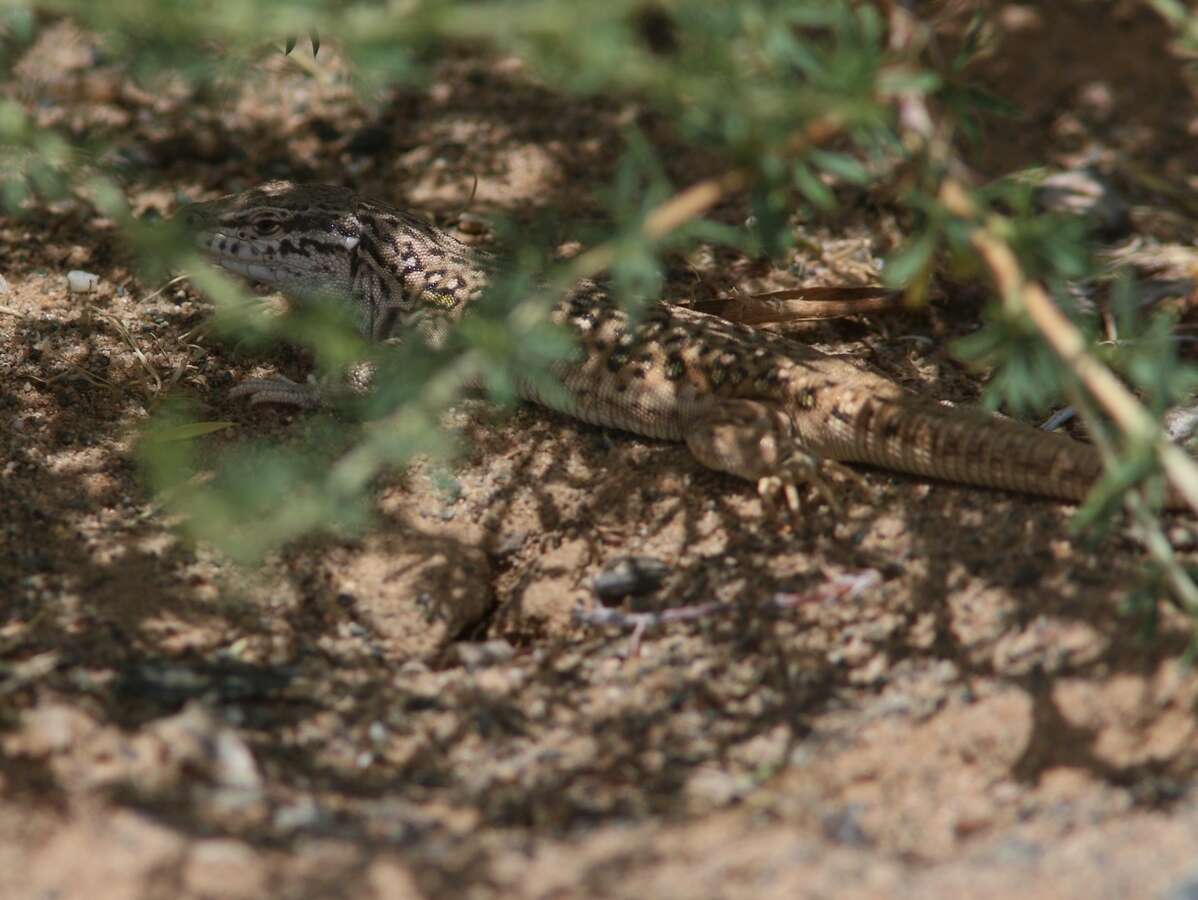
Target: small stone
[
  {"x": 1181, "y": 425},
  {"x": 80, "y": 282},
  {"x": 199, "y": 743},
  {"x": 303, "y": 813},
  {"x": 233, "y": 763},
  {"x": 1181, "y": 537},
  {"x": 1020, "y": 17},
  {"x": 1083, "y": 192},
  {"x": 511, "y": 542},
  {"x": 3, "y": 286},
  {"x": 843, "y": 826},
  {"x": 630, "y": 576},
  {"x": 481, "y": 654}
]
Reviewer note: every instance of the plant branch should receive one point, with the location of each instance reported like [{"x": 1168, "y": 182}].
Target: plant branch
[
  {"x": 1069, "y": 344},
  {"x": 695, "y": 200}
]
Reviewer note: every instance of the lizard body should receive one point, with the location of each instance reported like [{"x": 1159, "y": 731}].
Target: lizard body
[{"x": 751, "y": 403}]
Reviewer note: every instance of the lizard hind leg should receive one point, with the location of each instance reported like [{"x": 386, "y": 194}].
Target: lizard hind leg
[
  {"x": 315, "y": 393},
  {"x": 756, "y": 441},
  {"x": 278, "y": 389}
]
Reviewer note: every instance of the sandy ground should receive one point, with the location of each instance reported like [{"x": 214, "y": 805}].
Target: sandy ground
[{"x": 940, "y": 694}]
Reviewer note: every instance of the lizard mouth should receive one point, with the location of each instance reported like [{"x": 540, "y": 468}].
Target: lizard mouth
[
  {"x": 256, "y": 271},
  {"x": 237, "y": 256}
]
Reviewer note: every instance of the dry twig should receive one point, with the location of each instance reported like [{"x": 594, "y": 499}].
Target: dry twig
[{"x": 1070, "y": 346}]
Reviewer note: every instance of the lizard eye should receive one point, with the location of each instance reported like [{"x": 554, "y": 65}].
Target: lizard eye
[{"x": 265, "y": 227}]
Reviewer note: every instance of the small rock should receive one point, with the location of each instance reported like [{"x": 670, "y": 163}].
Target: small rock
[
  {"x": 3, "y": 286},
  {"x": 303, "y": 813},
  {"x": 843, "y": 826},
  {"x": 630, "y": 576},
  {"x": 1181, "y": 425},
  {"x": 1083, "y": 192},
  {"x": 80, "y": 282},
  {"x": 511, "y": 542},
  {"x": 1181, "y": 538},
  {"x": 480, "y": 654},
  {"x": 201, "y": 743}
]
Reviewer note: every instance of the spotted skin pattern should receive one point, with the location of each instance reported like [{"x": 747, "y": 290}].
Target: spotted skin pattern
[{"x": 754, "y": 404}]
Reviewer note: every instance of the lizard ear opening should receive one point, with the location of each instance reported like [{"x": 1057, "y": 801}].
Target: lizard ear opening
[{"x": 349, "y": 231}]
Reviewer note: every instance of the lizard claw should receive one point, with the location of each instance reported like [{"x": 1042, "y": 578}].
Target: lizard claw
[
  {"x": 278, "y": 390},
  {"x": 772, "y": 488},
  {"x": 802, "y": 468}
]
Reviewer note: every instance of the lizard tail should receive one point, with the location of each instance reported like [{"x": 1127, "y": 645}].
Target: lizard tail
[{"x": 967, "y": 446}]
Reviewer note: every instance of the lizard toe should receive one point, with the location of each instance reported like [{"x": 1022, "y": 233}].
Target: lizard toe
[
  {"x": 799, "y": 469},
  {"x": 774, "y": 491}
]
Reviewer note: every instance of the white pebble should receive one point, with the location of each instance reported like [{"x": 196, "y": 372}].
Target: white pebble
[
  {"x": 82, "y": 282},
  {"x": 3, "y": 286}
]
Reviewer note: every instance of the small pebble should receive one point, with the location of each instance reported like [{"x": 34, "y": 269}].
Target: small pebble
[
  {"x": 843, "y": 826},
  {"x": 79, "y": 282},
  {"x": 303, "y": 813},
  {"x": 481, "y": 654},
  {"x": 1181, "y": 424},
  {"x": 1083, "y": 192},
  {"x": 511, "y": 542},
  {"x": 1181, "y": 538},
  {"x": 3, "y": 286},
  {"x": 630, "y": 576}
]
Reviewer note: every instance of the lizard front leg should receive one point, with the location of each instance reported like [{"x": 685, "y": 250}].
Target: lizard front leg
[
  {"x": 357, "y": 381},
  {"x": 757, "y": 441},
  {"x": 281, "y": 390}
]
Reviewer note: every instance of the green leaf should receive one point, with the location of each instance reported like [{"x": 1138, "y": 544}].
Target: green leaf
[
  {"x": 187, "y": 431},
  {"x": 840, "y": 165},
  {"x": 908, "y": 81},
  {"x": 906, "y": 263},
  {"x": 813, "y": 189}
]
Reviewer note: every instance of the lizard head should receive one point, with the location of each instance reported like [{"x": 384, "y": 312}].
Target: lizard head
[
  {"x": 298, "y": 239},
  {"x": 315, "y": 240}
]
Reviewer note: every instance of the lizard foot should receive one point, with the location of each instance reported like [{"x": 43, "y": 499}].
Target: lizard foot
[
  {"x": 278, "y": 390},
  {"x": 803, "y": 468},
  {"x": 756, "y": 441}
]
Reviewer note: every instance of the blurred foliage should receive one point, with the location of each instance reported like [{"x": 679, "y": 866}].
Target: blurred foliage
[
  {"x": 1183, "y": 17},
  {"x": 744, "y": 80}
]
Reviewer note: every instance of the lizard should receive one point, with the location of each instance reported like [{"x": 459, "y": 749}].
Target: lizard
[{"x": 751, "y": 403}]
